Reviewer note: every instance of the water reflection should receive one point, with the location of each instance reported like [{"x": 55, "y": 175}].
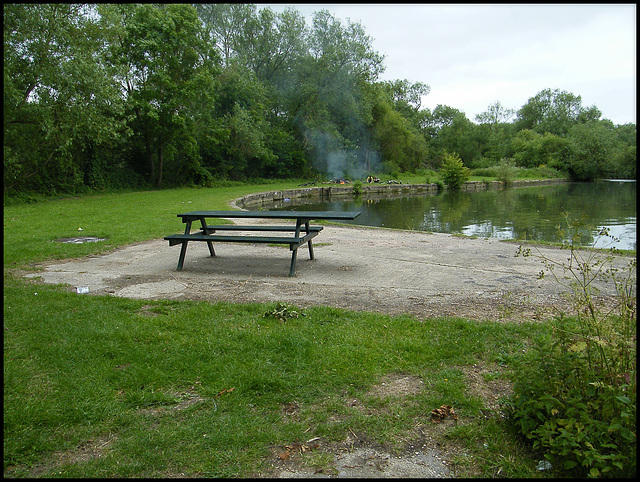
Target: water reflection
[{"x": 532, "y": 213}]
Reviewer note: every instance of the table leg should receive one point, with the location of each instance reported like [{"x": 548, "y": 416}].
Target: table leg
[
  {"x": 209, "y": 243},
  {"x": 294, "y": 255},
  {"x": 183, "y": 250},
  {"x": 306, "y": 225}
]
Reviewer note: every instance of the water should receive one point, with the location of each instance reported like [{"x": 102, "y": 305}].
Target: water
[{"x": 531, "y": 213}]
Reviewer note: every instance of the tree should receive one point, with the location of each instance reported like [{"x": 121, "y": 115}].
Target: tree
[
  {"x": 450, "y": 130},
  {"x": 623, "y": 162},
  {"x": 165, "y": 73},
  {"x": 225, "y": 25},
  {"x": 272, "y": 43},
  {"x": 591, "y": 147},
  {"x": 406, "y": 98},
  {"x": 399, "y": 143},
  {"x": 59, "y": 97},
  {"x": 554, "y": 111},
  {"x": 328, "y": 104},
  {"x": 531, "y": 149},
  {"x": 238, "y": 143},
  {"x": 495, "y": 115},
  {"x": 453, "y": 172}
]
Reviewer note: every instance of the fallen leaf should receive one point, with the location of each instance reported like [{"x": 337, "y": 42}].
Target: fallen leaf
[
  {"x": 222, "y": 392},
  {"x": 439, "y": 414},
  {"x": 284, "y": 455}
]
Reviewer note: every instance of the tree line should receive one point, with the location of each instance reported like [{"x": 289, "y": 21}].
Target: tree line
[{"x": 111, "y": 96}]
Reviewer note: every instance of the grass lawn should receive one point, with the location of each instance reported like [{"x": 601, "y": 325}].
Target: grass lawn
[{"x": 98, "y": 386}]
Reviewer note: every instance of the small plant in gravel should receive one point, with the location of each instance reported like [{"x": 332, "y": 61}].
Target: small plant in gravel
[{"x": 575, "y": 395}]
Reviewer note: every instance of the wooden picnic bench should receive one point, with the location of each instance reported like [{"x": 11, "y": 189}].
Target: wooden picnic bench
[{"x": 302, "y": 231}]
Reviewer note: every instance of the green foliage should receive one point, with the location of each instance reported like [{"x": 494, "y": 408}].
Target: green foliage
[
  {"x": 555, "y": 111},
  {"x": 506, "y": 171},
  {"x": 357, "y": 188},
  {"x": 453, "y": 172},
  {"x": 531, "y": 149},
  {"x": 575, "y": 396},
  {"x": 581, "y": 425},
  {"x": 60, "y": 100},
  {"x": 284, "y": 312},
  {"x": 181, "y": 94},
  {"x": 592, "y": 149}
]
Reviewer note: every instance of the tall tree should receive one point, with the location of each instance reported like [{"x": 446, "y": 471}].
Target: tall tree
[
  {"x": 327, "y": 105},
  {"x": 225, "y": 25},
  {"x": 272, "y": 43},
  {"x": 554, "y": 111},
  {"x": 591, "y": 148},
  {"x": 496, "y": 130},
  {"x": 165, "y": 73},
  {"x": 237, "y": 146},
  {"x": 58, "y": 95},
  {"x": 494, "y": 115}
]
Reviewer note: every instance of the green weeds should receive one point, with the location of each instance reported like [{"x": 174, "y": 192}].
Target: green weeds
[{"x": 575, "y": 395}]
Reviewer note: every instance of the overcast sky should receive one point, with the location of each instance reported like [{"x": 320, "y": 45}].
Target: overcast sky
[{"x": 474, "y": 55}]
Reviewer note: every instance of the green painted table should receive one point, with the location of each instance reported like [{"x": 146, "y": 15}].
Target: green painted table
[{"x": 302, "y": 231}]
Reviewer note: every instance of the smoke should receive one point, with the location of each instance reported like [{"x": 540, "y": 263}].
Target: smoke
[{"x": 338, "y": 162}]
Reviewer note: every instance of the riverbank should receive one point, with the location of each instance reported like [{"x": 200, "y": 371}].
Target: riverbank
[{"x": 329, "y": 190}]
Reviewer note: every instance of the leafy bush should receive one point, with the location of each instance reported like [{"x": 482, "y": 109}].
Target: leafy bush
[
  {"x": 506, "y": 171},
  {"x": 453, "y": 172},
  {"x": 575, "y": 396},
  {"x": 583, "y": 425}
]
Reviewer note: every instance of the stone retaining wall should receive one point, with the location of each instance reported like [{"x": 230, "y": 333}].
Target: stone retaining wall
[{"x": 326, "y": 192}]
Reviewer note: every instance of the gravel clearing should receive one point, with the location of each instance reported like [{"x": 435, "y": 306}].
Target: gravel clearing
[{"x": 358, "y": 268}]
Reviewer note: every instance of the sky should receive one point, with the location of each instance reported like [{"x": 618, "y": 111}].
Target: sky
[{"x": 472, "y": 56}]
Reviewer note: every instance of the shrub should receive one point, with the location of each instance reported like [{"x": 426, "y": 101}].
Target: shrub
[
  {"x": 575, "y": 396},
  {"x": 453, "y": 172},
  {"x": 506, "y": 171}
]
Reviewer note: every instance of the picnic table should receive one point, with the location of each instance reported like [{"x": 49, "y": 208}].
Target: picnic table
[{"x": 302, "y": 231}]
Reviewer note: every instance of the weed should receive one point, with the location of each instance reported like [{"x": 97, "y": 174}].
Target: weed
[
  {"x": 575, "y": 395},
  {"x": 284, "y": 311}
]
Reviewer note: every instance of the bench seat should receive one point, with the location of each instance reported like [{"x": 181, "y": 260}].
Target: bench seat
[
  {"x": 179, "y": 238},
  {"x": 235, "y": 227},
  {"x": 293, "y": 242}
]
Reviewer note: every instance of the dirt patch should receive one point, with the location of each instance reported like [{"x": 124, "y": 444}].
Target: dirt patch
[
  {"x": 87, "y": 450},
  {"x": 422, "y": 452}
]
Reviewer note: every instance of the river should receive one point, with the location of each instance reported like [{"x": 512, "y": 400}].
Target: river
[{"x": 529, "y": 213}]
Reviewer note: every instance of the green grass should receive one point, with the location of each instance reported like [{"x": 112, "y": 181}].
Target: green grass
[
  {"x": 98, "y": 386},
  {"x": 122, "y": 218}
]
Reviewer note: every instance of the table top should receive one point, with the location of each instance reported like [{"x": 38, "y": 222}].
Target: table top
[{"x": 338, "y": 215}]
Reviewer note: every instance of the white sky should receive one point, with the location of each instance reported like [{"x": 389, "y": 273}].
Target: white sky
[{"x": 474, "y": 55}]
